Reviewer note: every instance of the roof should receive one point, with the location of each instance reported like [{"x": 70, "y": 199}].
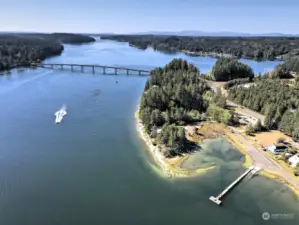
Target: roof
[
  {"x": 280, "y": 145},
  {"x": 294, "y": 159},
  {"x": 295, "y": 156}
]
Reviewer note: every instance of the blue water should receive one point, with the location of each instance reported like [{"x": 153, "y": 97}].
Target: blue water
[
  {"x": 121, "y": 54},
  {"x": 94, "y": 169}
]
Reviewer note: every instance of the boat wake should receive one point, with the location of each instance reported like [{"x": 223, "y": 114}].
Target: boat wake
[{"x": 60, "y": 114}]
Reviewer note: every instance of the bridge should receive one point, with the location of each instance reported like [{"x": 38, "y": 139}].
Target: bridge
[
  {"x": 116, "y": 69},
  {"x": 217, "y": 200}
]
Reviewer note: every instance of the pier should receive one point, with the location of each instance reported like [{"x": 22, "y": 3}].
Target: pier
[
  {"x": 116, "y": 69},
  {"x": 217, "y": 200}
]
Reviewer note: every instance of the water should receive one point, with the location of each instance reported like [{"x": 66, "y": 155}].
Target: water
[
  {"x": 120, "y": 54},
  {"x": 218, "y": 151},
  {"x": 94, "y": 169}
]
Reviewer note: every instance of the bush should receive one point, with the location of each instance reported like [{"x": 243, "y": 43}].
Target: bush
[
  {"x": 296, "y": 171},
  {"x": 249, "y": 130},
  {"x": 280, "y": 140},
  {"x": 296, "y": 134},
  {"x": 219, "y": 114}
]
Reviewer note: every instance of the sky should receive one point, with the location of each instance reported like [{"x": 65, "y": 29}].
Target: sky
[{"x": 130, "y": 16}]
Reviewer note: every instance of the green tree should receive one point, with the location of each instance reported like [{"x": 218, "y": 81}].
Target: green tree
[
  {"x": 226, "y": 116},
  {"x": 219, "y": 99},
  {"x": 296, "y": 134},
  {"x": 287, "y": 123},
  {"x": 258, "y": 126},
  {"x": 268, "y": 123},
  {"x": 280, "y": 72},
  {"x": 218, "y": 114},
  {"x": 228, "y": 69},
  {"x": 173, "y": 96}
]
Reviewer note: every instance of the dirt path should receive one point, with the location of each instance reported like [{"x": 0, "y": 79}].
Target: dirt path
[{"x": 262, "y": 161}]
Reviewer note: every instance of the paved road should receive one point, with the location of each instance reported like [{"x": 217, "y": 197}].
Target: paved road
[
  {"x": 259, "y": 159},
  {"x": 262, "y": 161},
  {"x": 247, "y": 111}
]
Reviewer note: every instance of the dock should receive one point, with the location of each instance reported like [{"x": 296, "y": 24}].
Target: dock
[
  {"x": 217, "y": 200},
  {"x": 116, "y": 69}
]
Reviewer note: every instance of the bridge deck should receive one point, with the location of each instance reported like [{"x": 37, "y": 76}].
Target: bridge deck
[{"x": 93, "y": 65}]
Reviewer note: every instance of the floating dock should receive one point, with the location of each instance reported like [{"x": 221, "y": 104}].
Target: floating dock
[{"x": 217, "y": 200}]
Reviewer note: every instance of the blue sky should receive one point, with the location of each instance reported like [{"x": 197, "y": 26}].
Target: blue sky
[{"x": 126, "y": 16}]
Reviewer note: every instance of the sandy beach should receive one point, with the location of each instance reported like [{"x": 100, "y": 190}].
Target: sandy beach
[
  {"x": 169, "y": 167},
  {"x": 172, "y": 167}
]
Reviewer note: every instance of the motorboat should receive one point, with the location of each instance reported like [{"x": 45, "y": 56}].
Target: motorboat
[{"x": 60, "y": 114}]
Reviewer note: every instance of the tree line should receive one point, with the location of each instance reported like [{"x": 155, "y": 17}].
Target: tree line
[
  {"x": 291, "y": 64},
  {"x": 275, "y": 99},
  {"x": 24, "y": 49},
  {"x": 258, "y": 48},
  {"x": 67, "y": 38}
]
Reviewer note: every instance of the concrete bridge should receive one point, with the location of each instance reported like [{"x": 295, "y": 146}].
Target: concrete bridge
[{"x": 116, "y": 70}]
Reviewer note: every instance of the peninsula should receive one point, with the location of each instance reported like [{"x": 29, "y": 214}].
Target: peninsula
[
  {"x": 175, "y": 97},
  {"x": 23, "y": 49},
  {"x": 178, "y": 109}
]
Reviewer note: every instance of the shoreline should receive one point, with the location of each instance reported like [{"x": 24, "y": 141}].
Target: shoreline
[
  {"x": 168, "y": 169},
  {"x": 263, "y": 172},
  {"x": 275, "y": 176},
  {"x": 247, "y": 158},
  {"x": 171, "y": 170},
  {"x": 210, "y": 54}
]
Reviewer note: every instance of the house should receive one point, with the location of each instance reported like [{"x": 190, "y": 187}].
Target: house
[
  {"x": 294, "y": 160},
  {"x": 277, "y": 149}
]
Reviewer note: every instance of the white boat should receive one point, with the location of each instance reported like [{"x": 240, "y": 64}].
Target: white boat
[{"x": 60, "y": 114}]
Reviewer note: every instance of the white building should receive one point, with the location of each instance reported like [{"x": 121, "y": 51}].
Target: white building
[
  {"x": 277, "y": 149},
  {"x": 294, "y": 160}
]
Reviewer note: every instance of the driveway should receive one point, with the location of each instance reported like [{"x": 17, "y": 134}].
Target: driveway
[{"x": 262, "y": 161}]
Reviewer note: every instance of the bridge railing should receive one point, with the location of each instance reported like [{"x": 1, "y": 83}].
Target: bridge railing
[{"x": 93, "y": 66}]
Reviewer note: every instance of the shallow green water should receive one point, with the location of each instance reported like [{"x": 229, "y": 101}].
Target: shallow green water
[
  {"x": 94, "y": 169},
  {"x": 214, "y": 152}
]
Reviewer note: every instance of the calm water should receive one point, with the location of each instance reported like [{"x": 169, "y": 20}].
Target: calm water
[{"x": 93, "y": 168}]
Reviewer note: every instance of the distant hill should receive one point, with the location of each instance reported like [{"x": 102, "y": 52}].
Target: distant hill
[
  {"x": 217, "y": 34},
  {"x": 67, "y": 38}
]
